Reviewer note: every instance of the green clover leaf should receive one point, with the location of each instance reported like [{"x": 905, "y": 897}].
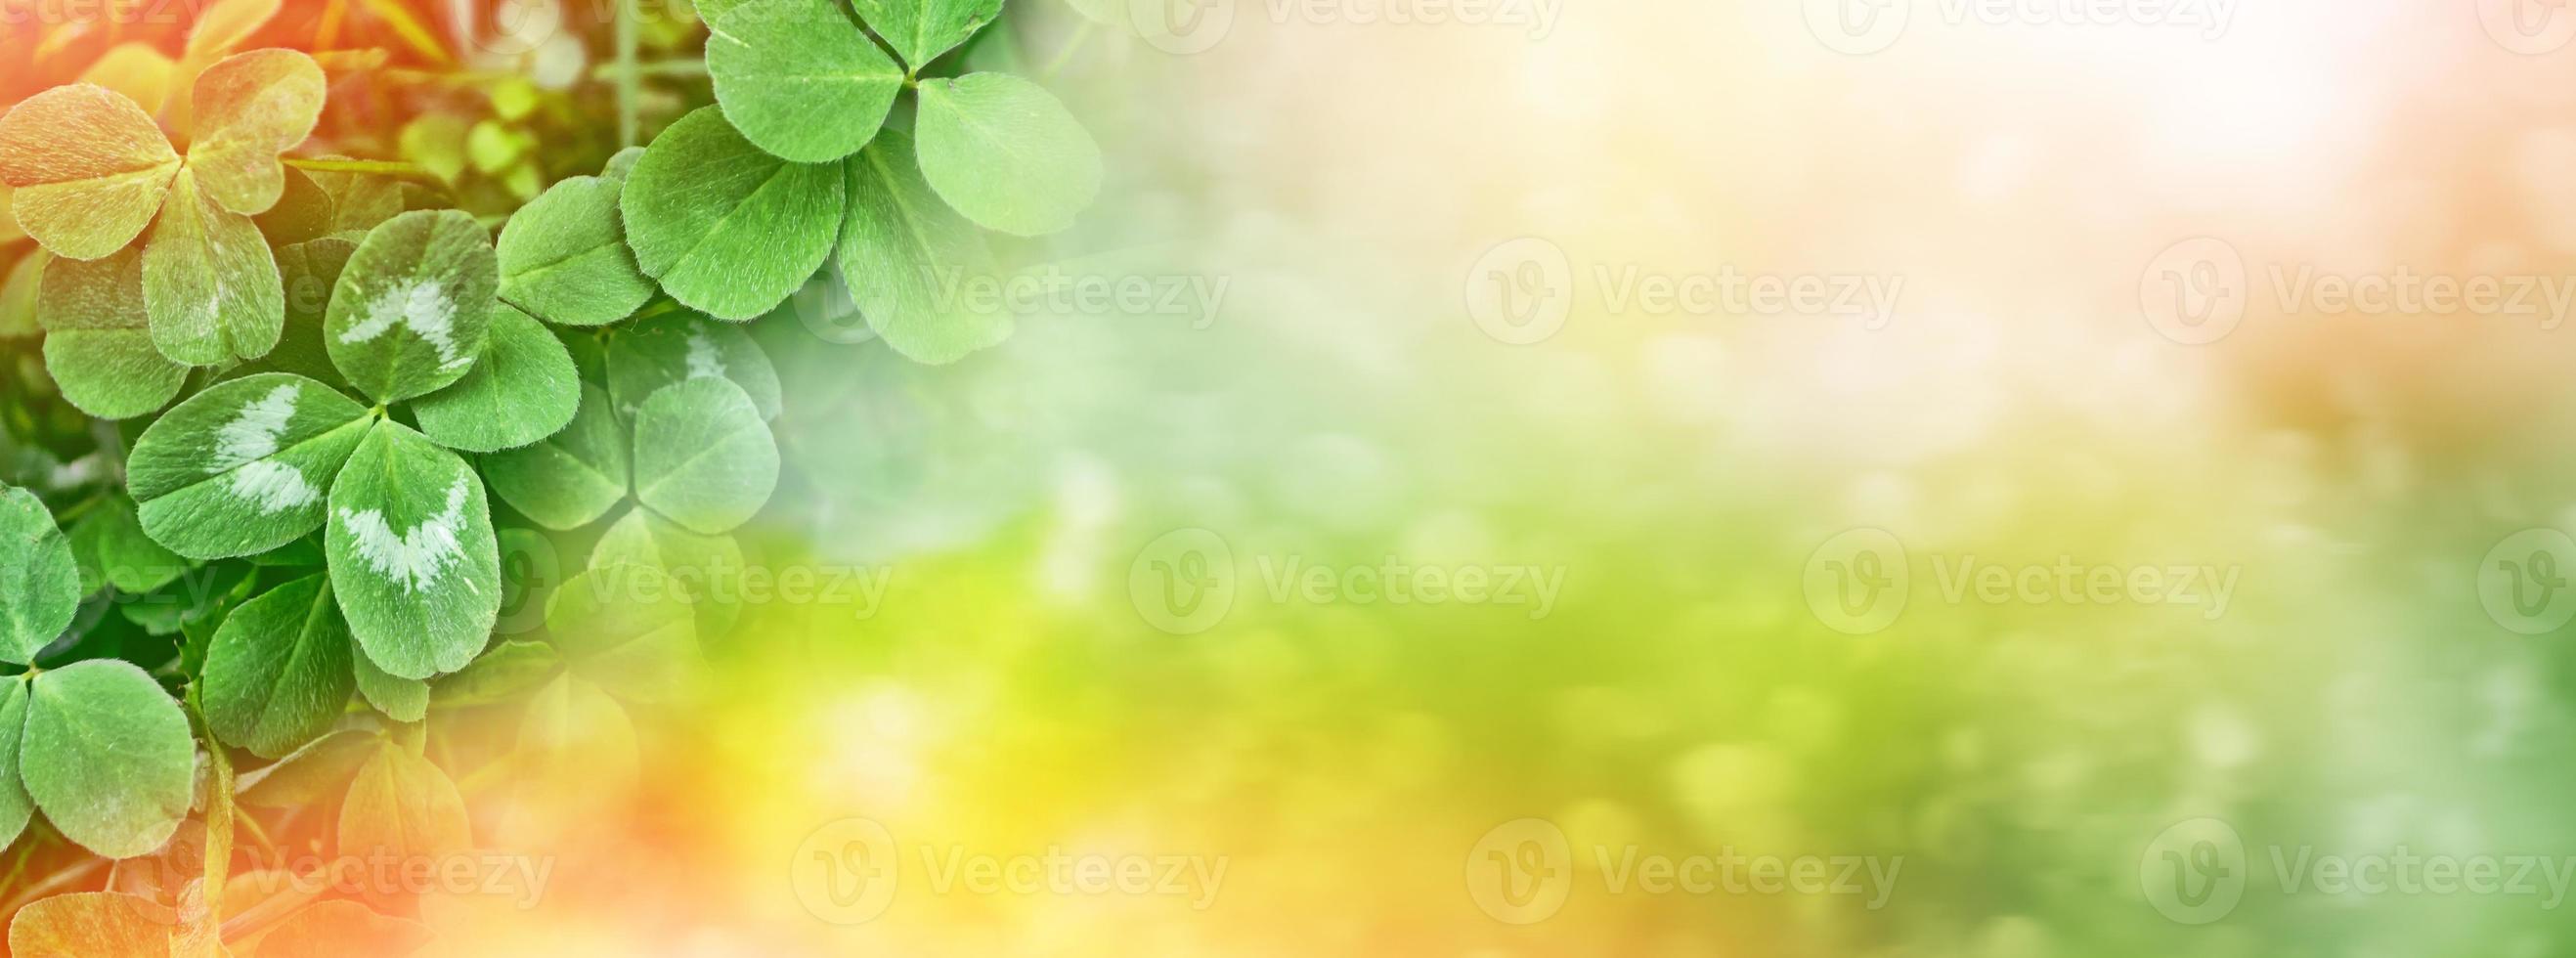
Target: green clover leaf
[
  {"x": 210, "y": 283},
  {"x": 249, "y": 108},
  {"x": 112, "y": 549},
  {"x": 413, "y": 555},
  {"x": 278, "y": 673},
  {"x": 524, "y": 390},
  {"x": 708, "y": 570},
  {"x": 728, "y": 229},
  {"x": 108, "y": 757},
  {"x": 15, "y": 807},
  {"x": 40, "y": 586},
  {"x": 564, "y": 257},
  {"x": 84, "y": 196},
  {"x": 703, "y": 456},
  {"x": 98, "y": 338},
  {"x": 573, "y": 477},
  {"x": 401, "y": 699},
  {"x": 1004, "y": 151},
  {"x": 908, "y": 260},
  {"x": 403, "y": 806},
  {"x": 240, "y": 468},
  {"x": 676, "y": 348},
  {"x": 629, "y": 629},
  {"x": 799, "y": 78},
  {"x": 410, "y": 312},
  {"x": 921, "y": 30},
  {"x": 503, "y": 674}
]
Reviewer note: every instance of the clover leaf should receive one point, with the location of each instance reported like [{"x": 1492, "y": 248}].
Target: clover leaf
[
  {"x": 15, "y": 807},
  {"x": 564, "y": 258},
  {"x": 413, "y": 556},
  {"x": 98, "y": 340},
  {"x": 84, "y": 196},
  {"x": 40, "y": 589},
  {"x": 573, "y": 477},
  {"x": 1004, "y": 151},
  {"x": 907, "y": 260},
  {"x": 278, "y": 673},
  {"x": 401, "y": 699},
  {"x": 921, "y": 30},
  {"x": 409, "y": 314},
  {"x": 92, "y": 924},
  {"x": 249, "y": 108},
  {"x": 703, "y": 456},
  {"x": 524, "y": 389},
  {"x": 629, "y": 629},
  {"x": 725, "y": 227},
  {"x": 799, "y": 78},
  {"x": 113, "y": 550},
  {"x": 210, "y": 282},
  {"x": 108, "y": 757},
  {"x": 401, "y": 805},
  {"x": 500, "y": 675},
  {"x": 707, "y": 570},
  {"x": 676, "y": 348},
  {"x": 240, "y": 468}
]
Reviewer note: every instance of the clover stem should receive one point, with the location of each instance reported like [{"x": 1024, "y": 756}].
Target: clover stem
[
  {"x": 629, "y": 81},
  {"x": 374, "y": 167},
  {"x": 219, "y": 808},
  {"x": 1064, "y": 55}
]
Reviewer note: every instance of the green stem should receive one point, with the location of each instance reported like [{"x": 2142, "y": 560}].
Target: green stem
[
  {"x": 219, "y": 811},
  {"x": 630, "y": 80},
  {"x": 1081, "y": 36},
  {"x": 374, "y": 167}
]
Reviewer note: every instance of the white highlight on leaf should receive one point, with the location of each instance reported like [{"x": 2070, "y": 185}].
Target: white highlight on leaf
[
  {"x": 243, "y": 446},
  {"x": 422, "y": 307},
  {"x": 412, "y": 560},
  {"x": 704, "y": 361}
]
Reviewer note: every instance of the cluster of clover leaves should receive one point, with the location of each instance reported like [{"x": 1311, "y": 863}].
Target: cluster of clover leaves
[{"x": 307, "y": 383}]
